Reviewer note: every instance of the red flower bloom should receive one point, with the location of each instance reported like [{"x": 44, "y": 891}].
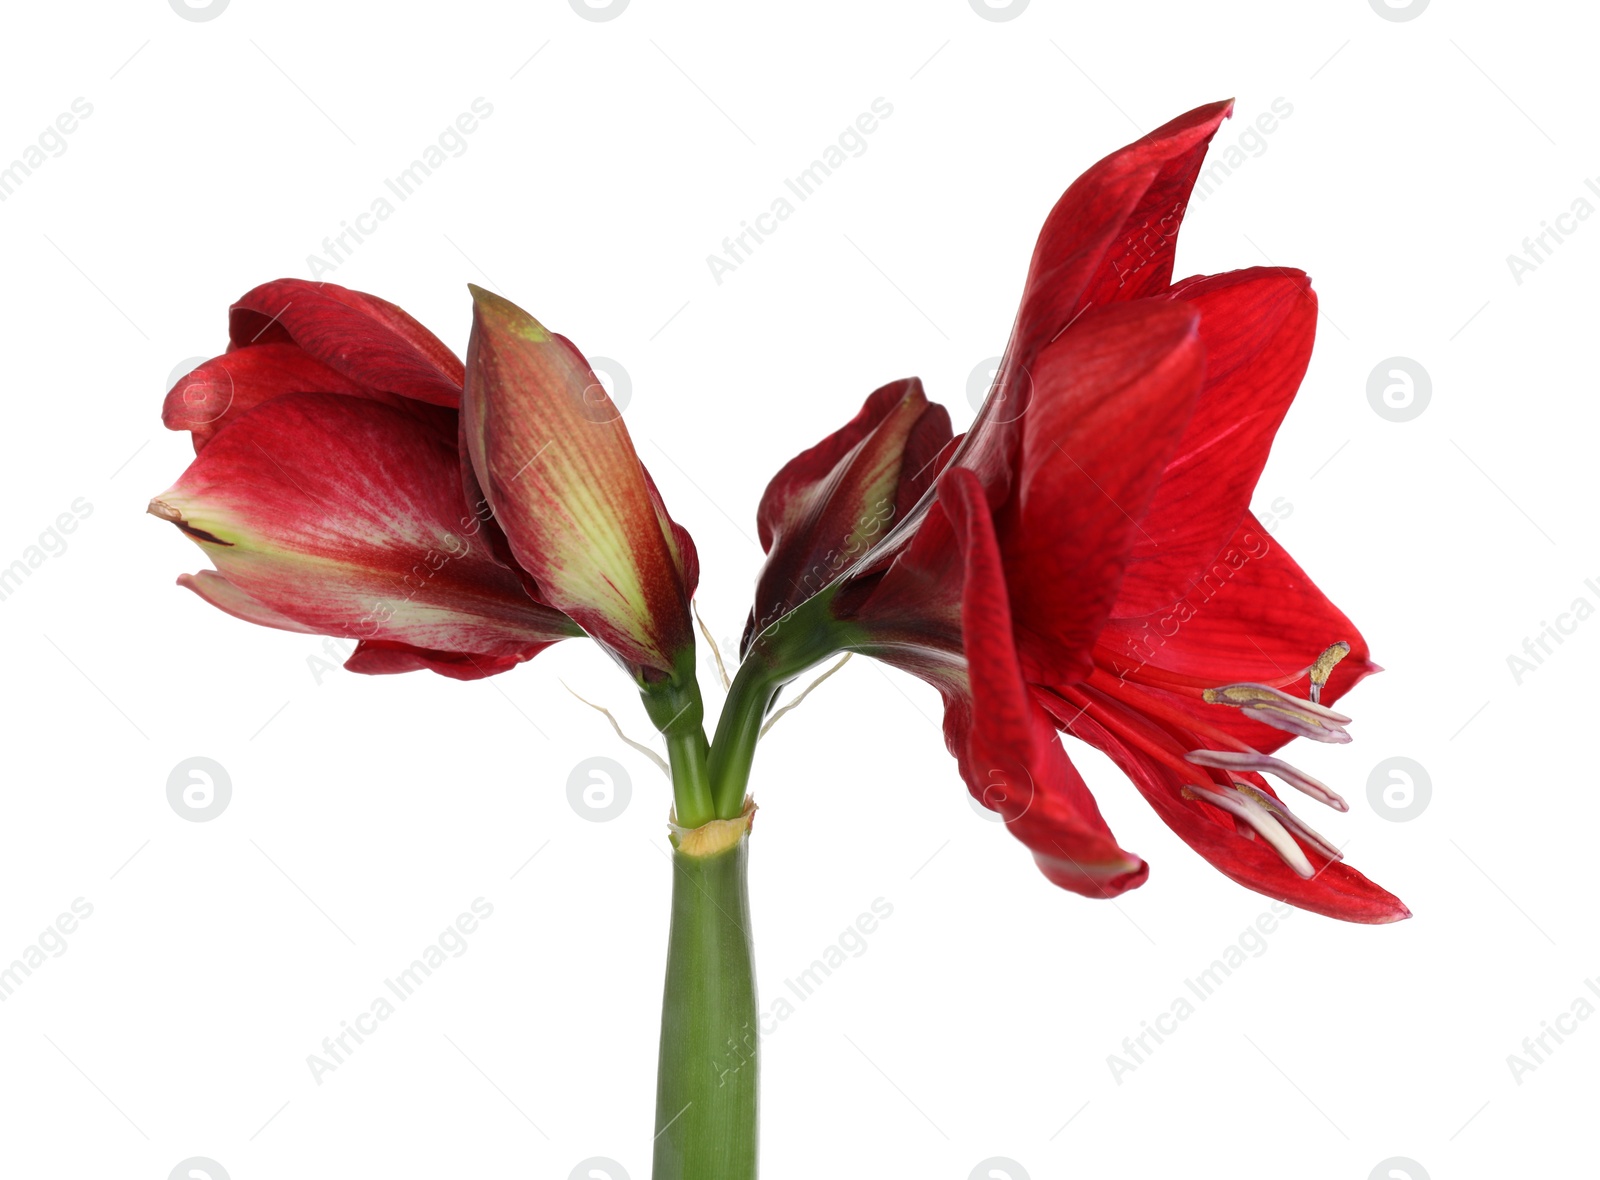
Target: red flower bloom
[
  {"x": 1088, "y": 561},
  {"x": 331, "y": 491}
]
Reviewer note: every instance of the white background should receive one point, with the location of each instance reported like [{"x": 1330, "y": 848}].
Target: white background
[{"x": 367, "y": 812}]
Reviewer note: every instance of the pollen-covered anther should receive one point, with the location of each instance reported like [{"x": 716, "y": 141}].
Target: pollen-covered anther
[
  {"x": 1266, "y": 764},
  {"x": 1323, "y": 666},
  {"x": 1282, "y": 711},
  {"x": 1248, "y": 808},
  {"x": 1297, "y": 826}
]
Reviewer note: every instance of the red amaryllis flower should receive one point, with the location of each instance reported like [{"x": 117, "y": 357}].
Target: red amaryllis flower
[
  {"x": 331, "y": 492},
  {"x": 1087, "y": 561}
]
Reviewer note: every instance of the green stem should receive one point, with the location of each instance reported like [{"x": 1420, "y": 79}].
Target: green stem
[
  {"x": 676, "y": 710},
  {"x": 801, "y": 639},
  {"x": 691, "y": 782},
  {"x": 738, "y": 730},
  {"x": 706, "y": 1089},
  {"x": 706, "y": 1093}
]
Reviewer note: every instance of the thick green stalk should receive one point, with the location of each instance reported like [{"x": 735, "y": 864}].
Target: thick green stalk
[
  {"x": 706, "y": 1087},
  {"x": 706, "y": 1091}
]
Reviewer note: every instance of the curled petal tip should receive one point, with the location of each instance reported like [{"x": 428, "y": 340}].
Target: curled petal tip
[{"x": 501, "y": 314}]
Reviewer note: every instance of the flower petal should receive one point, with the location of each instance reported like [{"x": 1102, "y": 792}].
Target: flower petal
[
  {"x": 368, "y": 339},
  {"x": 228, "y": 598},
  {"x": 1112, "y": 398},
  {"x": 1253, "y": 616},
  {"x": 830, "y": 503},
  {"x": 1109, "y": 239},
  {"x": 1004, "y": 742},
  {"x": 559, "y": 470},
  {"x": 226, "y": 386},
  {"x": 1256, "y": 327},
  {"x": 347, "y": 517},
  {"x": 1334, "y": 889},
  {"x": 377, "y": 657}
]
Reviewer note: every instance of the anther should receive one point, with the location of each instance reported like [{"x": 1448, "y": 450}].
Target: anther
[
  {"x": 1245, "y": 807},
  {"x": 1293, "y": 822},
  {"x": 1282, "y": 711},
  {"x": 1323, "y": 666}
]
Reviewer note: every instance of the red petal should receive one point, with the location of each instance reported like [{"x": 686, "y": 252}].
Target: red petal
[
  {"x": 1004, "y": 742},
  {"x": 1111, "y": 236},
  {"x": 228, "y": 598},
  {"x": 227, "y": 386},
  {"x": 380, "y": 658},
  {"x": 1256, "y": 327},
  {"x": 1109, "y": 239},
  {"x": 685, "y": 557},
  {"x": 1253, "y": 616},
  {"x": 347, "y": 517},
  {"x": 827, "y": 505},
  {"x": 556, "y": 463},
  {"x": 368, "y": 339},
  {"x": 1112, "y": 399},
  {"x": 1336, "y": 890}
]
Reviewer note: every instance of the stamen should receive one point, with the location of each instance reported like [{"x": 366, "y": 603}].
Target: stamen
[
  {"x": 1323, "y": 667},
  {"x": 1294, "y": 823},
  {"x": 1266, "y": 764},
  {"x": 1282, "y": 711},
  {"x": 1245, "y": 807}
]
